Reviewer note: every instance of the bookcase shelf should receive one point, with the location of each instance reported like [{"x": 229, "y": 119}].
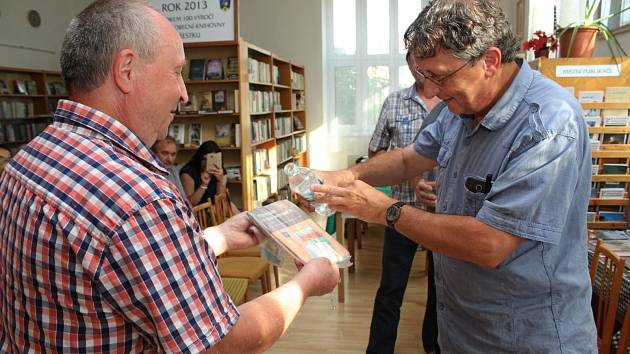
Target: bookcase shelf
[
  {"x": 611, "y": 149},
  {"x": 27, "y": 100},
  {"x": 263, "y": 89}
]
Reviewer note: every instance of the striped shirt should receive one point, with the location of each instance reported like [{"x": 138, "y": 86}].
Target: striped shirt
[
  {"x": 398, "y": 124},
  {"x": 98, "y": 253}
]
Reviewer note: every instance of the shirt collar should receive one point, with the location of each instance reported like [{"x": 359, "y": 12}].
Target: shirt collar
[
  {"x": 411, "y": 94},
  {"x": 109, "y": 128},
  {"x": 505, "y": 107}
]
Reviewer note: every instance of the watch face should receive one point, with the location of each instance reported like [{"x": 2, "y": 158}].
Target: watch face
[{"x": 393, "y": 212}]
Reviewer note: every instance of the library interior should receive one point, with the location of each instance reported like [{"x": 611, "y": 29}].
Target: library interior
[{"x": 301, "y": 176}]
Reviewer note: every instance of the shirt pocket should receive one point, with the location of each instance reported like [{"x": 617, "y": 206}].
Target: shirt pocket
[
  {"x": 443, "y": 159},
  {"x": 406, "y": 127},
  {"x": 473, "y": 201}
]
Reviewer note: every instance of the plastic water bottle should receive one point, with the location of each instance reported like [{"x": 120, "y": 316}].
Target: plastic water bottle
[{"x": 300, "y": 180}]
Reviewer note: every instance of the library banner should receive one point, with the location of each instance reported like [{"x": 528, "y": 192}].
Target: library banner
[{"x": 200, "y": 20}]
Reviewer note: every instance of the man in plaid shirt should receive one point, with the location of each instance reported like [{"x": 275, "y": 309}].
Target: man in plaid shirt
[
  {"x": 398, "y": 124},
  {"x": 98, "y": 252}
]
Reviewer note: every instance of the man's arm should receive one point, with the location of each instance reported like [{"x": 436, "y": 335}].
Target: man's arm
[
  {"x": 392, "y": 167},
  {"x": 264, "y": 319}
]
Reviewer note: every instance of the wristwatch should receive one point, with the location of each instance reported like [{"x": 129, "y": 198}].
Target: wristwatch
[{"x": 393, "y": 214}]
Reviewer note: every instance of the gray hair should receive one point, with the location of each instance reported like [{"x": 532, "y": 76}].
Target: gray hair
[
  {"x": 98, "y": 33},
  {"x": 465, "y": 28}
]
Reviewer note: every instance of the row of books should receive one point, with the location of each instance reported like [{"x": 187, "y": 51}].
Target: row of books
[
  {"x": 277, "y": 102},
  {"x": 299, "y": 143},
  {"x": 261, "y": 130},
  {"x": 275, "y": 74},
  {"x": 284, "y": 150},
  {"x": 16, "y": 109},
  {"x": 258, "y": 71},
  {"x": 233, "y": 172},
  {"x": 260, "y": 101},
  {"x": 297, "y": 81},
  {"x": 20, "y": 132},
  {"x": 213, "y": 69},
  {"x": 608, "y": 190},
  {"x": 208, "y": 102},
  {"x": 284, "y": 126},
  {"x": 260, "y": 159},
  {"x": 612, "y": 94},
  {"x": 178, "y": 132},
  {"x": 607, "y": 213}
]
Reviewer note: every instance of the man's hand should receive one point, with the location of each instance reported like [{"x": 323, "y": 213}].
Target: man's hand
[
  {"x": 425, "y": 192},
  {"x": 356, "y": 198},
  {"x": 335, "y": 178},
  {"x": 235, "y": 233},
  {"x": 318, "y": 276}
]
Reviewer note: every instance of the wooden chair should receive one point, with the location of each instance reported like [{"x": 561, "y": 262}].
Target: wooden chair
[
  {"x": 205, "y": 214},
  {"x": 606, "y": 296},
  {"x": 237, "y": 289}
]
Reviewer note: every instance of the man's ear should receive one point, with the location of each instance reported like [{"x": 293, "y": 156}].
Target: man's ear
[
  {"x": 125, "y": 62},
  {"x": 492, "y": 61}
]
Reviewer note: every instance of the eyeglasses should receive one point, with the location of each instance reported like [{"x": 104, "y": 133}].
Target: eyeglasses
[{"x": 439, "y": 81}]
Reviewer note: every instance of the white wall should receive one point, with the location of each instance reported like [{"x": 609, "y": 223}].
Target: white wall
[{"x": 24, "y": 46}]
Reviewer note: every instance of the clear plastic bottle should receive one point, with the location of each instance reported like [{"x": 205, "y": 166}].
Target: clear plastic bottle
[{"x": 300, "y": 180}]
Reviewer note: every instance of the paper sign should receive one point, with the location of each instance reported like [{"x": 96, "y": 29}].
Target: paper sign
[{"x": 588, "y": 70}]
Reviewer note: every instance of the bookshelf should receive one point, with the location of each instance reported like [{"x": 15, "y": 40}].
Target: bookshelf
[
  {"x": 27, "y": 100},
  {"x": 608, "y": 129},
  {"x": 267, "y": 119}
]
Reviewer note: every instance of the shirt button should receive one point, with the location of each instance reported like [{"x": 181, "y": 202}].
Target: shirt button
[
  {"x": 454, "y": 174},
  {"x": 441, "y": 306},
  {"x": 533, "y": 108},
  {"x": 444, "y": 208}
]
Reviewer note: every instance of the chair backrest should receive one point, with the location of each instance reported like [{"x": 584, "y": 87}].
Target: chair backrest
[
  {"x": 205, "y": 214},
  {"x": 223, "y": 207},
  {"x": 606, "y": 277}
]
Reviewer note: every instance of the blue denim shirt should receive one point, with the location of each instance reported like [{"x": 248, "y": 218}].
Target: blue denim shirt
[{"x": 534, "y": 143}]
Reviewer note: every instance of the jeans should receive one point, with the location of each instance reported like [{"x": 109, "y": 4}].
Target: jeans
[{"x": 398, "y": 253}]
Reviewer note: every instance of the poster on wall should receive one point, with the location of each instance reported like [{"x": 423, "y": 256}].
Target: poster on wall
[{"x": 201, "y": 20}]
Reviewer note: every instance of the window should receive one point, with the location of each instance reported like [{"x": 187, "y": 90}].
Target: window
[
  {"x": 612, "y": 6},
  {"x": 365, "y": 59}
]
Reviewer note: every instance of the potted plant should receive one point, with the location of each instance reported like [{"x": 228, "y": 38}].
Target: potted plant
[
  {"x": 541, "y": 44},
  {"x": 577, "y": 39}
]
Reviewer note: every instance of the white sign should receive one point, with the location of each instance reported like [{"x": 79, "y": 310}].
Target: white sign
[
  {"x": 588, "y": 70},
  {"x": 200, "y": 20}
]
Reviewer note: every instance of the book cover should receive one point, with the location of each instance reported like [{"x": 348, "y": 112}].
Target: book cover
[
  {"x": 614, "y": 169},
  {"x": 204, "y": 101},
  {"x": 194, "y": 134},
  {"x": 176, "y": 131},
  {"x": 611, "y": 216},
  {"x": 214, "y": 69},
  {"x": 616, "y": 121},
  {"x": 197, "y": 69},
  {"x": 31, "y": 87},
  {"x": 292, "y": 229},
  {"x": 218, "y": 100},
  {"x": 222, "y": 134},
  {"x": 4, "y": 88},
  {"x": 20, "y": 87},
  {"x": 618, "y": 94},
  {"x": 592, "y": 121},
  {"x": 591, "y": 96}
]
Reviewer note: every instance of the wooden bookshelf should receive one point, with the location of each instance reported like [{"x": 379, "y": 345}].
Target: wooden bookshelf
[
  {"x": 265, "y": 91},
  {"x": 603, "y": 153},
  {"x": 28, "y": 99}
]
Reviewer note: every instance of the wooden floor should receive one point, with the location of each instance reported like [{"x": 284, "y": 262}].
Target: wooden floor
[{"x": 320, "y": 328}]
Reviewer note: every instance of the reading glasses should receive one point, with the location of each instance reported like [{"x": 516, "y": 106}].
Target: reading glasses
[{"x": 439, "y": 81}]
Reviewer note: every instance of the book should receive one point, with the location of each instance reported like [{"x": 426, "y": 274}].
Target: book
[
  {"x": 232, "y": 68},
  {"x": 4, "y": 88},
  {"x": 298, "y": 123},
  {"x": 614, "y": 169},
  {"x": 204, "y": 101},
  {"x": 218, "y": 100},
  {"x": 618, "y": 94},
  {"x": 291, "y": 229},
  {"x": 20, "y": 87},
  {"x": 591, "y": 96},
  {"x": 176, "y": 131},
  {"x": 222, "y": 134},
  {"x": 31, "y": 87},
  {"x": 592, "y": 121},
  {"x": 194, "y": 134},
  {"x": 196, "y": 69},
  {"x": 611, "y": 216},
  {"x": 214, "y": 69},
  {"x": 611, "y": 234},
  {"x": 618, "y": 121}
]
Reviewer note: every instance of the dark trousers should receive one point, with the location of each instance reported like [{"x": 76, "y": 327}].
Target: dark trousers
[{"x": 398, "y": 253}]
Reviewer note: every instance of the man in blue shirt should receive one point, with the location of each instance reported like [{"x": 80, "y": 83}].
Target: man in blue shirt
[{"x": 513, "y": 183}]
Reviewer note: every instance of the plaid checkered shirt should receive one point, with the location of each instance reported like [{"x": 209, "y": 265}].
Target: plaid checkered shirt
[
  {"x": 98, "y": 253},
  {"x": 398, "y": 124}
]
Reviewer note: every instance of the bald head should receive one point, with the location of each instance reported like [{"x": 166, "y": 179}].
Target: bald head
[{"x": 98, "y": 33}]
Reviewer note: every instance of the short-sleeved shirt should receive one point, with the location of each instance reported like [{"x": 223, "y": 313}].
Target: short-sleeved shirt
[
  {"x": 398, "y": 124},
  {"x": 534, "y": 143},
  {"x": 98, "y": 253}
]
